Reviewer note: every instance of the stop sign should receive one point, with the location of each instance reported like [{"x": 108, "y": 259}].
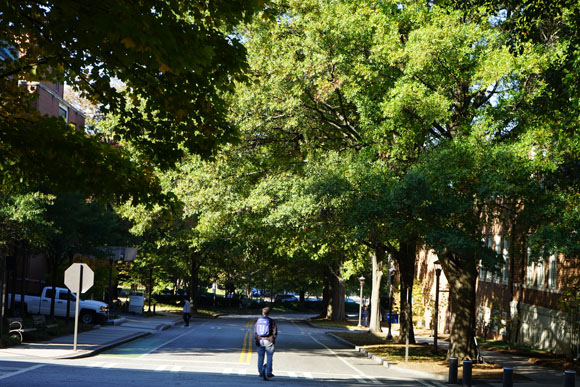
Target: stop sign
[{"x": 76, "y": 282}]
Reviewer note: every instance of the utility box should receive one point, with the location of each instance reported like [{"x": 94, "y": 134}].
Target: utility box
[{"x": 136, "y": 303}]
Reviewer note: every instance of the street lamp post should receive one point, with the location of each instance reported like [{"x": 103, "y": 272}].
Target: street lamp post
[
  {"x": 436, "y": 322},
  {"x": 362, "y": 282},
  {"x": 391, "y": 279}
]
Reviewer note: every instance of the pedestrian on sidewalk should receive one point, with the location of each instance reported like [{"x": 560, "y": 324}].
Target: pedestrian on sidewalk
[
  {"x": 186, "y": 311},
  {"x": 365, "y": 316},
  {"x": 265, "y": 332}
]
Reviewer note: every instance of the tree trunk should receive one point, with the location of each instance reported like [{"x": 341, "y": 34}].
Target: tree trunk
[
  {"x": 462, "y": 295},
  {"x": 335, "y": 309},
  {"x": 2, "y": 290},
  {"x": 53, "y": 284},
  {"x": 194, "y": 284},
  {"x": 378, "y": 256},
  {"x": 326, "y": 294},
  {"x": 23, "y": 276},
  {"x": 406, "y": 260},
  {"x": 338, "y": 295}
]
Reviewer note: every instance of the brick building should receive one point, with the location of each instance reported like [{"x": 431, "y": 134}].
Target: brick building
[
  {"x": 50, "y": 101},
  {"x": 522, "y": 301}
]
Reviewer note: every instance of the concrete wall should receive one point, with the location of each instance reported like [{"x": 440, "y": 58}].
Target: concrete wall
[{"x": 544, "y": 328}]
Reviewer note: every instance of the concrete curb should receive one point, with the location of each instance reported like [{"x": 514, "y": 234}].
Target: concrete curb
[
  {"x": 385, "y": 363},
  {"x": 117, "y": 321},
  {"x": 311, "y": 324},
  {"x": 104, "y": 347}
]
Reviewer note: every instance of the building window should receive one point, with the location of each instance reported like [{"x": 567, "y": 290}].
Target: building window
[
  {"x": 497, "y": 275},
  {"x": 506, "y": 261},
  {"x": 488, "y": 274},
  {"x": 480, "y": 315},
  {"x": 553, "y": 272},
  {"x": 530, "y": 269},
  {"x": 541, "y": 282},
  {"x": 481, "y": 267},
  {"x": 63, "y": 112}
]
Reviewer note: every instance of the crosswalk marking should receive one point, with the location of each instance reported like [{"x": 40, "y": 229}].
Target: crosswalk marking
[
  {"x": 360, "y": 378},
  {"x": 366, "y": 379},
  {"x": 21, "y": 371}
]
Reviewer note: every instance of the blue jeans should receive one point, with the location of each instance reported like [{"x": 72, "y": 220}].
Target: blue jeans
[{"x": 265, "y": 347}]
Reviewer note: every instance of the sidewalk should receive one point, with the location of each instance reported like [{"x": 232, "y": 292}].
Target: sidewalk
[
  {"x": 103, "y": 337},
  {"x": 538, "y": 375}
]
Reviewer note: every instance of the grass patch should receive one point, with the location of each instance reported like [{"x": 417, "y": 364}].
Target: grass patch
[
  {"x": 395, "y": 353},
  {"x": 362, "y": 339},
  {"x": 505, "y": 347},
  {"x": 324, "y": 323},
  {"x": 421, "y": 356}
]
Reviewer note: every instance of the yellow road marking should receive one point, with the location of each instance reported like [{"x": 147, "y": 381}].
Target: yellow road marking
[
  {"x": 243, "y": 354},
  {"x": 246, "y": 354}
]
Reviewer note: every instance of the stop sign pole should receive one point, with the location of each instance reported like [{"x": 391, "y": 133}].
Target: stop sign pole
[
  {"x": 77, "y": 308},
  {"x": 78, "y": 278}
]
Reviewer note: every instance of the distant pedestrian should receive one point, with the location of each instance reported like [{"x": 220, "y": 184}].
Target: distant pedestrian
[
  {"x": 265, "y": 332},
  {"x": 186, "y": 311},
  {"x": 365, "y": 316}
]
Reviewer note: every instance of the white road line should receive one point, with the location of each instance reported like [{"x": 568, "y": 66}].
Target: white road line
[
  {"x": 292, "y": 374},
  {"x": 167, "y": 342},
  {"x": 21, "y": 371},
  {"x": 308, "y": 375},
  {"x": 242, "y": 372},
  {"x": 162, "y": 367},
  {"x": 227, "y": 371},
  {"x": 176, "y": 368},
  {"x": 108, "y": 365},
  {"x": 338, "y": 356}
]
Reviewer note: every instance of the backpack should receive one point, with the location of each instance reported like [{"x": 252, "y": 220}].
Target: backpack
[{"x": 263, "y": 327}]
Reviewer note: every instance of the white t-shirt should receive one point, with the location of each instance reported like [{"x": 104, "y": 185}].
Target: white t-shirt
[{"x": 186, "y": 307}]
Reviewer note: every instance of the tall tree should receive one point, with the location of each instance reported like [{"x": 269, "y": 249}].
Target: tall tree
[{"x": 141, "y": 44}]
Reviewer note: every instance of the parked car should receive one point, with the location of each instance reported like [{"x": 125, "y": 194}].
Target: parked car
[
  {"x": 166, "y": 296},
  {"x": 285, "y": 298},
  {"x": 89, "y": 310}
]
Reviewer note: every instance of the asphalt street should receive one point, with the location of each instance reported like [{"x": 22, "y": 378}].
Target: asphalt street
[{"x": 212, "y": 352}]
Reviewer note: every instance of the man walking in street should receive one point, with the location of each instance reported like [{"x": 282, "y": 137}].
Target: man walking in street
[
  {"x": 186, "y": 311},
  {"x": 265, "y": 332}
]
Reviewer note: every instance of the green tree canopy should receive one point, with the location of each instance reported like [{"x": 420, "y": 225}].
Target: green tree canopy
[{"x": 173, "y": 57}]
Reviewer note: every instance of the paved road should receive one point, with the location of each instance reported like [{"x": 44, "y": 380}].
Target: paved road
[{"x": 211, "y": 353}]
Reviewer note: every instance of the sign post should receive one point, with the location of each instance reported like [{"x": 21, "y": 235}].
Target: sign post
[{"x": 78, "y": 278}]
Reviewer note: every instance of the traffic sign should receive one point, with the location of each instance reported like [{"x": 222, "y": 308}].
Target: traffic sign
[{"x": 79, "y": 277}]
